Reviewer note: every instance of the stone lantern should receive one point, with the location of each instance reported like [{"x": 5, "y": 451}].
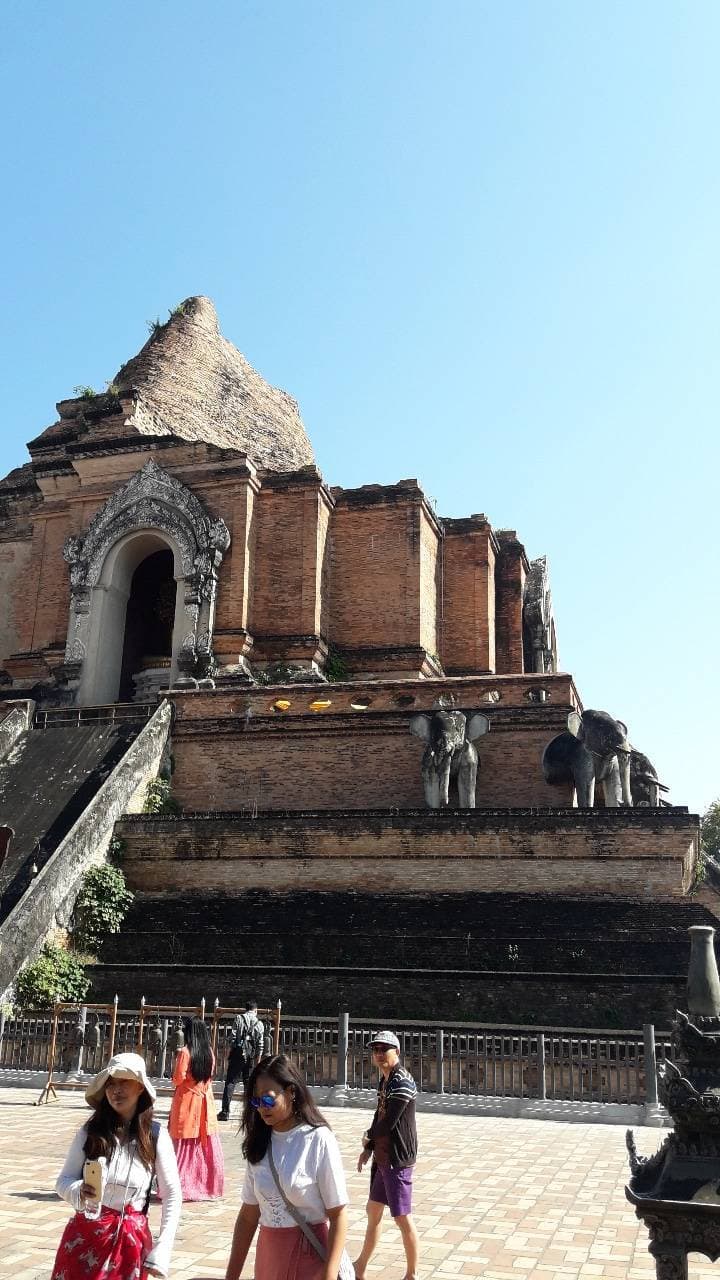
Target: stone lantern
[{"x": 675, "y": 1192}]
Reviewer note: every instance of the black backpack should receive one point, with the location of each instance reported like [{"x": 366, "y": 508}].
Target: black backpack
[{"x": 248, "y": 1038}]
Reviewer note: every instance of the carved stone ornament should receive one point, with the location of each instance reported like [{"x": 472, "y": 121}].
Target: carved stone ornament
[
  {"x": 152, "y": 500},
  {"x": 538, "y": 620},
  {"x": 675, "y": 1191}
]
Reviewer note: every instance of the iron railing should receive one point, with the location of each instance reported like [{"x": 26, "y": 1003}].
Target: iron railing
[
  {"x": 553, "y": 1063},
  {"x": 113, "y": 713}
]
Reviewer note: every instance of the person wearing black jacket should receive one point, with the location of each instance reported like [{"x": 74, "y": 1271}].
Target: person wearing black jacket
[{"x": 391, "y": 1141}]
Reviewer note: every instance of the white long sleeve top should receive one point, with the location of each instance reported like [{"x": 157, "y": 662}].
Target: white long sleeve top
[{"x": 126, "y": 1170}]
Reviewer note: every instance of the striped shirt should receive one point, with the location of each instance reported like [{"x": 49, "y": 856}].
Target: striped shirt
[{"x": 393, "y": 1132}]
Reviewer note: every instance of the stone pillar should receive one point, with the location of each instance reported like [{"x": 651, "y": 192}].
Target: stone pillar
[
  {"x": 510, "y": 572},
  {"x": 703, "y": 982}
]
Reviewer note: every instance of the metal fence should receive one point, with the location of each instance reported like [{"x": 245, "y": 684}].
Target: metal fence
[
  {"x": 555, "y": 1063},
  {"x": 81, "y": 1038},
  {"x": 113, "y": 713},
  {"x": 559, "y": 1064}
]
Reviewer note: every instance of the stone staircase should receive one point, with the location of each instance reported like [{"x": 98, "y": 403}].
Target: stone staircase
[{"x": 508, "y": 951}]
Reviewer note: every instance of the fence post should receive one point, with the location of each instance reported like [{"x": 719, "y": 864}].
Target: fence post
[
  {"x": 542, "y": 1082},
  {"x": 2, "y": 1031},
  {"x": 163, "y": 1049},
  {"x": 651, "y": 1090},
  {"x": 440, "y": 1060},
  {"x": 276, "y": 1026},
  {"x": 80, "y": 1032},
  {"x": 342, "y": 1049},
  {"x": 113, "y": 1024}
]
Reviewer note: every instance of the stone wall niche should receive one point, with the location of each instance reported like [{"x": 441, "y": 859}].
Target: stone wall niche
[{"x": 152, "y": 512}]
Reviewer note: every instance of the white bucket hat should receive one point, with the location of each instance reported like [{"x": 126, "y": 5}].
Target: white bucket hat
[{"x": 124, "y": 1066}]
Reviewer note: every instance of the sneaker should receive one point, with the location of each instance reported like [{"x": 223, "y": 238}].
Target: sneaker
[{"x": 223, "y": 1115}]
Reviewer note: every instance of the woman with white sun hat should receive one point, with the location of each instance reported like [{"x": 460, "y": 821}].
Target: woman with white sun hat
[{"x": 107, "y": 1177}]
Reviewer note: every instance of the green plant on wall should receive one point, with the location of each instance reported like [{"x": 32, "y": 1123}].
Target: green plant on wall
[
  {"x": 278, "y": 673},
  {"x": 158, "y": 798},
  {"x": 100, "y": 907},
  {"x": 336, "y": 667},
  {"x": 57, "y": 974}
]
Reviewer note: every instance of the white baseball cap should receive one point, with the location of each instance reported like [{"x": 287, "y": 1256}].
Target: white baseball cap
[{"x": 385, "y": 1037}]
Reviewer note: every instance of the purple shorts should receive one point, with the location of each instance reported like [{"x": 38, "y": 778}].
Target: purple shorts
[{"x": 393, "y": 1187}]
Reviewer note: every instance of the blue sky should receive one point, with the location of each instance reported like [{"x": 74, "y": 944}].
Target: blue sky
[{"x": 478, "y": 242}]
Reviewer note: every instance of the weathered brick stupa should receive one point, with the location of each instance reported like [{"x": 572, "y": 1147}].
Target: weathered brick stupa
[{"x": 390, "y": 795}]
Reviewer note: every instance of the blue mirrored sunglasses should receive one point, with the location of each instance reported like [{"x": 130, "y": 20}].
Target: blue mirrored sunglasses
[{"x": 265, "y": 1100}]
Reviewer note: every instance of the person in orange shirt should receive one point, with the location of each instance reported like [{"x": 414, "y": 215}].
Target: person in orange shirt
[{"x": 193, "y": 1124}]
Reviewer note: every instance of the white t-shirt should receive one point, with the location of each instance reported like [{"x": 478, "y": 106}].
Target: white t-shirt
[{"x": 311, "y": 1174}]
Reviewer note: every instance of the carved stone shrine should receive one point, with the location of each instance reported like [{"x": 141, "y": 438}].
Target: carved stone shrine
[{"x": 676, "y": 1192}]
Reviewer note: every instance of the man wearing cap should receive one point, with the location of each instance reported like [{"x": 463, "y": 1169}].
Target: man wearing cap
[{"x": 391, "y": 1141}]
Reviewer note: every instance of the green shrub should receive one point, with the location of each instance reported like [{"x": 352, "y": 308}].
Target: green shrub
[
  {"x": 100, "y": 907},
  {"x": 158, "y": 798},
  {"x": 57, "y": 974},
  {"x": 336, "y": 667}
]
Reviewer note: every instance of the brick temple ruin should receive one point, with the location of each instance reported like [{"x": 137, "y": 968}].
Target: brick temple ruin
[{"x": 185, "y": 594}]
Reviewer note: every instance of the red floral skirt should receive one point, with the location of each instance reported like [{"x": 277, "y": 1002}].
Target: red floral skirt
[{"x": 104, "y": 1248}]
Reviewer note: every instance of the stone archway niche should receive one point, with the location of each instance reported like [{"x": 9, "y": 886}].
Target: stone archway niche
[
  {"x": 152, "y": 512},
  {"x": 100, "y": 680}
]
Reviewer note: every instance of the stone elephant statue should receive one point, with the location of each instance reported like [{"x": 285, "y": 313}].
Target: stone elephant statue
[
  {"x": 593, "y": 748},
  {"x": 450, "y": 752},
  {"x": 645, "y": 786}
]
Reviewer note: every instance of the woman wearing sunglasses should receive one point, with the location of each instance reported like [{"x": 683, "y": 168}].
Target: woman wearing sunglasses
[{"x": 294, "y": 1185}]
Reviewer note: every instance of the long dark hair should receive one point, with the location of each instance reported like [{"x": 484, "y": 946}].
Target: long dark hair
[
  {"x": 197, "y": 1041},
  {"x": 105, "y": 1125},
  {"x": 284, "y": 1073}
]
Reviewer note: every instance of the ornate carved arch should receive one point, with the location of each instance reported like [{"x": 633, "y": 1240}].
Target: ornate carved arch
[{"x": 151, "y": 500}]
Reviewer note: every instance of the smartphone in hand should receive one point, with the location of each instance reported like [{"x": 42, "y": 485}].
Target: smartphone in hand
[{"x": 93, "y": 1186}]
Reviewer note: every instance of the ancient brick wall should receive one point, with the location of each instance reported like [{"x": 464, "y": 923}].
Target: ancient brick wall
[
  {"x": 430, "y": 568},
  {"x": 468, "y": 596},
  {"x": 235, "y": 751},
  {"x": 369, "y": 571},
  {"x": 15, "y": 561},
  {"x": 374, "y": 574},
  {"x": 510, "y": 573},
  {"x": 383, "y": 993},
  {"x": 595, "y": 852}
]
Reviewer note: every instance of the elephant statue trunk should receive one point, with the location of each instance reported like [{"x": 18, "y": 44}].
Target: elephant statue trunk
[
  {"x": 450, "y": 752},
  {"x": 594, "y": 748},
  {"x": 644, "y": 782}
]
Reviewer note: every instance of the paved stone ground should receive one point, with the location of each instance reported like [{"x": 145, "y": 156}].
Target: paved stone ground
[{"x": 503, "y": 1199}]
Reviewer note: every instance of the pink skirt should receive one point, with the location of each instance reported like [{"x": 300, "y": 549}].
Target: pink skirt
[
  {"x": 201, "y": 1167},
  {"x": 283, "y": 1253}
]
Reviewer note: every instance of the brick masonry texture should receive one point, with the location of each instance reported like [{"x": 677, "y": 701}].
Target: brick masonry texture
[
  {"x": 370, "y": 571},
  {"x": 234, "y": 751},
  {"x": 568, "y": 852},
  {"x": 503, "y": 1199},
  {"x": 532, "y": 999}
]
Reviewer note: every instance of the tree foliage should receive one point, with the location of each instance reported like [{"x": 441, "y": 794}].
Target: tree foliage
[
  {"x": 710, "y": 830},
  {"x": 100, "y": 907},
  {"x": 158, "y": 798},
  {"x": 57, "y": 974}
]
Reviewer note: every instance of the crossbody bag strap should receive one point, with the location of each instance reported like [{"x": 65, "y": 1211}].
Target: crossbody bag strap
[
  {"x": 293, "y": 1211},
  {"x": 155, "y": 1136}
]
